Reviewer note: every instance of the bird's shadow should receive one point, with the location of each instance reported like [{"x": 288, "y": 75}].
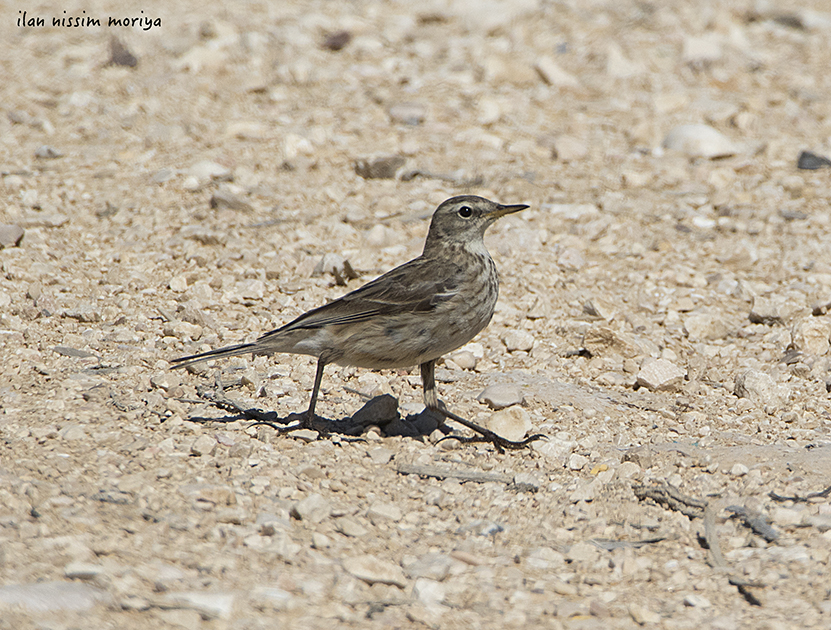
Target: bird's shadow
[{"x": 381, "y": 411}]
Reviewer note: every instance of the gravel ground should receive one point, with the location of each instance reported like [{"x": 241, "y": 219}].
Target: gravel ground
[{"x": 663, "y": 317}]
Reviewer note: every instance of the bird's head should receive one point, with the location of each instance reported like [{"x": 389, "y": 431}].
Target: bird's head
[{"x": 464, "y": 219}]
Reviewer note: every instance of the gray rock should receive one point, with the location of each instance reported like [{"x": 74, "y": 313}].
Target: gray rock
[
  {"x": 52, "y": 596},
  {"x": 10, "y": 235},
  {"x": 373, "y": 570},
  {"x": 313, "y": 509},
  {"x": 660, "y": 375},
  {"x": 699, "y": 141},
  {"x": 512, "y": 423},
  {"x": 501, "y": 395}
]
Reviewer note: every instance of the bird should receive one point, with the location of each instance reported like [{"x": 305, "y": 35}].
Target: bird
[{"x": 411, "y": 315}]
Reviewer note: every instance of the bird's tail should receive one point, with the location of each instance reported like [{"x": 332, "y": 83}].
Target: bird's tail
[{"x": 219, "y": 353}]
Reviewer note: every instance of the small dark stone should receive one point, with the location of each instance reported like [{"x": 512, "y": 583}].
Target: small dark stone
[
  {"x": 811, "y": 161},
  {"x": 380, "y": 168},
  {"x": 120, "y": 55},
  {"x": 337, "y": 41},
  {"x": 10, "y": 235}
]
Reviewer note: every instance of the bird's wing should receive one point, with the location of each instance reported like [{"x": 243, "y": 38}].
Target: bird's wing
[{"x": 417, "y": 286}]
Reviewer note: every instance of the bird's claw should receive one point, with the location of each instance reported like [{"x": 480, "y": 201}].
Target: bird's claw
[{"x": 500, "y": 443}]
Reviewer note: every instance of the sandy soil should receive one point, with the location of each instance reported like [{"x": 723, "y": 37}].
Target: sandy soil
[{"x": 663, "y": 317}]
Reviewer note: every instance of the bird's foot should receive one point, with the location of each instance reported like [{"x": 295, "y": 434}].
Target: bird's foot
[
  {"x": 485, "y": 435},
  {"x": 499, "y": 443},
  {"x": 305, "y": 421}
]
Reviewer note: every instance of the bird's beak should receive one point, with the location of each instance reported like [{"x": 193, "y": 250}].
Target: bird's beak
[{"x": 501, "y": 211}]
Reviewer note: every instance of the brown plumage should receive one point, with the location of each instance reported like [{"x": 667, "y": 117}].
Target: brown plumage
[{"x": 411, "y": 315}]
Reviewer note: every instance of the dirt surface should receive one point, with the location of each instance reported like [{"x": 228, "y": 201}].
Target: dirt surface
[{"x": 663, "y": 317}]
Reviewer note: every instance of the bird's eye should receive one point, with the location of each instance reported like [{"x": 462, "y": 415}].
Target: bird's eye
[{"x": 465, "y": 212}]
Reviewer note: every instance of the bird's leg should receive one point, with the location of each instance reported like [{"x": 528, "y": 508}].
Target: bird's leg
[
  {"x": 308, "y": 420},
  {"x": 432, "y": 402}
]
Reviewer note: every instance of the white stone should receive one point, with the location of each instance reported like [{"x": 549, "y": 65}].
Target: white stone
[
  {"x": 512, "y": 423},
  {"x": 661, "y": 375},
  {"x": 434, "y": 566},
  {"x": 314, "y": 508},
  {"x": 516, "y": 339},
  {"x": 577, "y": 461},
  {"x": 739, "y": 470},
  {"x": 699, "y": 51},
  {"x": 570, "y": 149},
  {"x": 501, "y": 395},
  {"x": 372, "y": 570},
  {"x": 209, "y": 605},
  {"x": 381, "y": 512},
  {"x": 757, "y": 386},
  {"x": 203, "y": 445},
  {"x": 696, "y": 601},
  {"x": 705, "y": 327},
  {"x": 553, "y": 74},
  {"x": 206, "y": 170},
  {"x": 642, "y": 615},
  {"x": 811, "y": 335},
  {"x": 699, "y": 141},
  {"x": 251, "y": 289},
  {"x": 429, "y": 592}
]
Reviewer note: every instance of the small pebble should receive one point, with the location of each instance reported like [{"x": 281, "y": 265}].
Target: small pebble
[
  {"x": 512, "y": 423},
  {"x": 372, "y": 570},
  {"x": 313, "y": 509},
  {"x": 661, "y": 375},
  {"x": 10, "y": 235},
  {"x": 501, "y": 395},
  {"x": 699, "y": 141},
  {"x": 739, "y": 470}
]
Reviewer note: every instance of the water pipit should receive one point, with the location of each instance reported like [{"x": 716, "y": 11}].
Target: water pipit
[{"x": 411, "y": 315}]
